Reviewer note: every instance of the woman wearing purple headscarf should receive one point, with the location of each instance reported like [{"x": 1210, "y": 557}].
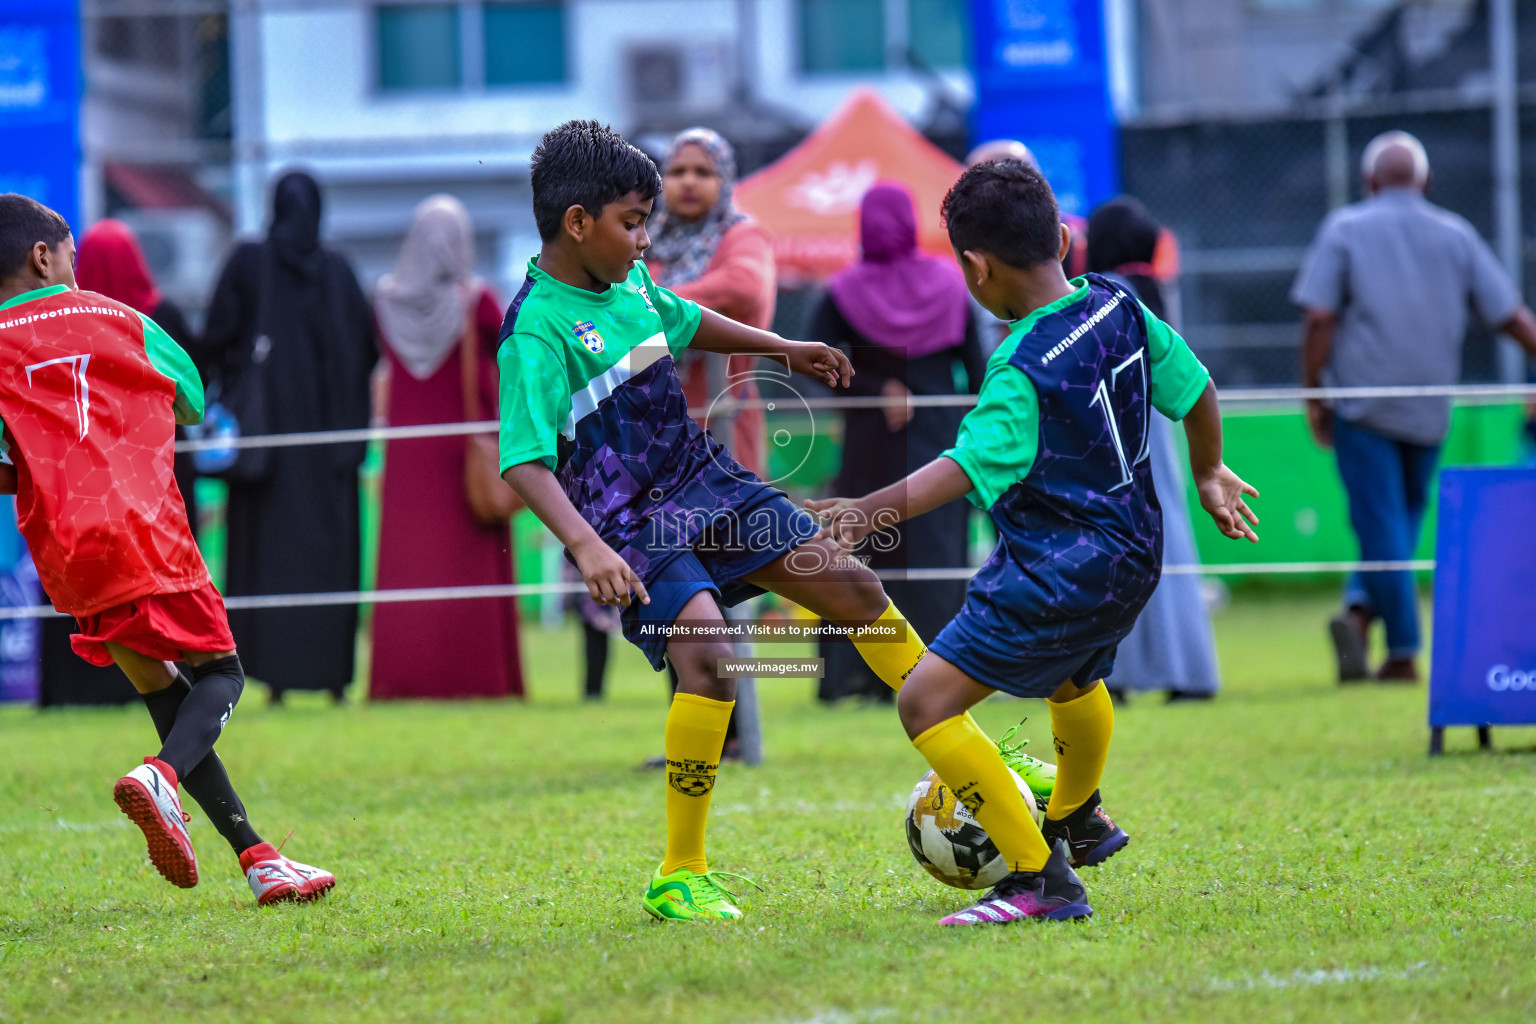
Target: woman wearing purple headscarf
[{"x": 905, "y": 320}]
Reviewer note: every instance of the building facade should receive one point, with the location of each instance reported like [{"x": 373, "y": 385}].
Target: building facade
[{"x": 389, "y": 102}]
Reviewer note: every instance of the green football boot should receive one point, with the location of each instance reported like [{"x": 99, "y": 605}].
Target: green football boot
[
  {"x": 685, "y": 896},
  {"x": 1039, "y": 775}
]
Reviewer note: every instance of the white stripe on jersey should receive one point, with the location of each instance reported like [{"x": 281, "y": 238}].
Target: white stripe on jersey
[{"x": 586, "y": 401}]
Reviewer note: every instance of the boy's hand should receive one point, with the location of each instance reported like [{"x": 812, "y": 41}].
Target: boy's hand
[
  {"x": 608, "y": 577},
  {"x": 1221, "y": 494},
  {"x": 827, "y": 364},
  {"x": 843, "y": 521}
]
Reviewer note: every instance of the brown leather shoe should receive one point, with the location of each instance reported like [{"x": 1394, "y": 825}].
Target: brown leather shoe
[{"x": 1398, "y": 670}]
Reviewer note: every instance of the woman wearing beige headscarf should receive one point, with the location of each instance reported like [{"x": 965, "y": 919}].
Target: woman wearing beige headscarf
[{"x": 428, "y": 536}]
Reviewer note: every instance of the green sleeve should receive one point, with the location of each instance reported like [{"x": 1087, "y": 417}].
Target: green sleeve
[
  {"x": 1000, "y": 437},
  {"x": 534, "y": 400},
  {"x": 1178, "y": 378},
  {"x": 679, "y": 317},
  {"x": 169, "y": 358}
]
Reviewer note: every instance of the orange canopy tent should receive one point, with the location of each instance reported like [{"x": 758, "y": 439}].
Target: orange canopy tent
[{"x": 809, "y": 199}]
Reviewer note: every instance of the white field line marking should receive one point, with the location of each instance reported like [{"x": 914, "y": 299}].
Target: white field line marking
[
  {"x": 844, "y": 1017},
  {"x": 1306, "y": 979}
]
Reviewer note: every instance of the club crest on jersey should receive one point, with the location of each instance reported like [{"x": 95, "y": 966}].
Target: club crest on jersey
[
  {"x": 645, "y": 296},
  {"x": 587, "y": 334}
]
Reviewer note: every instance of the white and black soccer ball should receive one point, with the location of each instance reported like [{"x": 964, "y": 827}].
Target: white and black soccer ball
[{"x": 947, "y": 840}]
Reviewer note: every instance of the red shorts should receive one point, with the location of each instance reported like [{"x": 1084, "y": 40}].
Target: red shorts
[{"x": 163, "y": 626}]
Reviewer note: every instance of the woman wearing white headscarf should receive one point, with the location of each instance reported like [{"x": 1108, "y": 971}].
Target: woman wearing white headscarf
[
  {"x": 428, "y": 536},
  {"x": 706, "y": 250}
]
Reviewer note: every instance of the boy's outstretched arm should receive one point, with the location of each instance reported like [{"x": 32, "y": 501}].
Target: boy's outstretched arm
[
  {"x": 718, "y": 333},
  {"x": 608, "y": 577},
  {"x": 850, "y": 520},
  {"x": 1221, "y": 490}
]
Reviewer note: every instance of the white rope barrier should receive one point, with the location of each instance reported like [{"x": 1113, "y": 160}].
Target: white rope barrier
[
  {"x": 345, "y": 597},
  {"x": 1470, "y": 394}
]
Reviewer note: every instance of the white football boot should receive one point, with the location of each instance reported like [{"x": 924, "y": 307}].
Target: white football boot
[
  {"x": 148, "y": 796},
  {"x": 278, "y": 879}
]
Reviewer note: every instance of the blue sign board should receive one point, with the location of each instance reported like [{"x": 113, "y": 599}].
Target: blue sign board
[
  {"x": 40, "y": 102},
  {"x": 1042, "y": 77},
  {"x": 1483, "y": 671}
]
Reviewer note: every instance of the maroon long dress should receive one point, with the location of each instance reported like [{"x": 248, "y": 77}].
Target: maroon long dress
[{"x": 429, "y": 538}]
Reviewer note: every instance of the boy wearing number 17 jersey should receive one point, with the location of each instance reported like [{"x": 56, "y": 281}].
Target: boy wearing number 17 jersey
[{"x": 1056, "y": 452}]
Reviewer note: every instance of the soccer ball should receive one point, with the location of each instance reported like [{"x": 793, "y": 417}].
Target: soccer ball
[{"x": 947, "y": 840}]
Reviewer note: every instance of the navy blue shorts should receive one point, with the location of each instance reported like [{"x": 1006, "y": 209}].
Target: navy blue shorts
[
  {"x": 718, "y": 560},
  {"x": 1005, "y": 668}
]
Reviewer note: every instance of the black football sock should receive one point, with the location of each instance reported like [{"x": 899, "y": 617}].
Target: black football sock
[
  {"x": 208, "y": 783},
  {"x": 163, "y": 704},
  {"x": 216, "y": 688}
]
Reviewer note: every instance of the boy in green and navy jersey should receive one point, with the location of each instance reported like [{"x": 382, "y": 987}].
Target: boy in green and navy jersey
[
  {"x": 1056, "y": 451},
  {"x": 596, "y": 438}
]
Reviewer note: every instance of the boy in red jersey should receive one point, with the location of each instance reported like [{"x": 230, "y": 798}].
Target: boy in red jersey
[{"x": 90, "y": 394}]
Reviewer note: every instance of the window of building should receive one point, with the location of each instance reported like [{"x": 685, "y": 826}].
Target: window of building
[
  {"x": 524, "y": 42},
  {"x": 852, "y": 36},
  {"x": 469, "y": 44},
  {"x": 939, "y": 31},
  {"x": 419, "y": 46},
  {"x": 842, "y": 35}
]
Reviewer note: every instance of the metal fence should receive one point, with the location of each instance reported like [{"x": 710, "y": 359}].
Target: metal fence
[{"x": 1245, "y": 198}]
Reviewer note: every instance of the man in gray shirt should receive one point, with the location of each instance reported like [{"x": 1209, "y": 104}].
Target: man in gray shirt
[{"x": 1386, "y": 288}]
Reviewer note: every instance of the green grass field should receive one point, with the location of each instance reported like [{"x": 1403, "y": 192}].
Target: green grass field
[{"x": 1296, "y": 857}]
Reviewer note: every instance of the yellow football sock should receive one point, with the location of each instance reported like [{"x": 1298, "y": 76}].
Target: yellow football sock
[
  {"x": 889, "y": 659},
  {"x": 695, "y": 736},
  {"x": 973, "y": 770},
  {"x": 1082, "y": 728}
]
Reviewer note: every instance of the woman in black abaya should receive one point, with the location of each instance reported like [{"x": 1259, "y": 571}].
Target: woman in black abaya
[
  {"x": 295, "y": 528},
  {"x": 904, "y": 319}
]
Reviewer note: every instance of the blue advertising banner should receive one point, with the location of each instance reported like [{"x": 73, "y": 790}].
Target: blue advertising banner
[
  {"x": 1042, "y": 78},
  {"x": 40, "y": 102},
  {"x": 1483, "y": 671}
]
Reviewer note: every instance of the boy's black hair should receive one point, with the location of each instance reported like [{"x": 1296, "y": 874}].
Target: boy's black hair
[
  {"x": 1007, "y": 209},
  {"x": 586, "y": 164},
  {"x": 23, "y": 223}
]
